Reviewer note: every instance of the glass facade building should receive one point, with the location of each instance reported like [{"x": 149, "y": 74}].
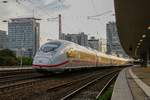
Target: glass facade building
[
  {"x": 3, "y": 40},
  {"x": 94, "y": 43},
  {"x": 81, "y": 38},
  {"x": 23, "y": 34},
  {"x": 113, "y": 43}
]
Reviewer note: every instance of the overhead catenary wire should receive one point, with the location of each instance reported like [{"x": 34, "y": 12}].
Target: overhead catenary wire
[
  {"x": 41, "y": 12},
  {"x": 46, "y": 11},
  {"x": 101, "y": 14},
  {"x": 39, "y": 8}
]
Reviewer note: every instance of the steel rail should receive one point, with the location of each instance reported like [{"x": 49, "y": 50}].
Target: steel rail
[
  {"x": 105, "y": 87},
  {"x": 14, "y": 75},
  {"x": 84, "y": 86},
  {"x": 15, "y": 78},
  {"x": 6, "y": 73},
  {"x": 8, "y": 87},
  {"x": 73, "y": 82},
  {"x": 23, "y": 82},
  {"x": 16, "y": 84}
]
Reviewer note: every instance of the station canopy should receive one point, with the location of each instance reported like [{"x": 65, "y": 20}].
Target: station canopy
[{"x": 133, "y": 23}]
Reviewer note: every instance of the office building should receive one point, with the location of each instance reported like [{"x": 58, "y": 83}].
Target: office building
[
  {"x": 23, "y": 34},
  {"x": 113, "y": 43},
  {"x": 103, "y": 45},
  {"x": 72, "y": 38},
  {"x": 94, "y": 43},
  {"x": 81, "y": 38},
  {"x": 3, "y": 40}
]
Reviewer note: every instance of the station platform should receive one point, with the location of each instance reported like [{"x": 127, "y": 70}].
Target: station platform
[
  {"x": 133, "y": 83},
  {"x": 5, "y": 68}
]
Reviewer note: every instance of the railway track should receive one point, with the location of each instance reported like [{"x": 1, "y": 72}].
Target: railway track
[
  {"x": 9, "y": 76},
  {"x": 17, "y": 88},
  {"x": 11, "y": 84},
  {"x": 106, "y": 86},
  {"x": 66, "y": 91},
  {"x": 9, "y": 79},
  {"x": 92, "y": 90},
  {"x": 9, "y": 72},
  {"x": 48, "y": 87}
]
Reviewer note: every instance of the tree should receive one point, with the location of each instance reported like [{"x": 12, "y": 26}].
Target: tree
[
  {"x": 25, "y": 60},
  {"x": 7, "y": 57}
]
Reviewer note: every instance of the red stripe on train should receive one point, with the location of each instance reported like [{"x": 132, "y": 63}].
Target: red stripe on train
[{"x": 54, "y": 65}]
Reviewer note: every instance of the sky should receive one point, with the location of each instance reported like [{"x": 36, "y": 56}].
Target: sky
[{"x": 74, "y": 15}]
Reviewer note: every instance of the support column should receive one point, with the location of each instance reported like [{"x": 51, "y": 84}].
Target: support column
[
  {"x": 144, "y": 59},
  {"x": 148, "y": 57}
]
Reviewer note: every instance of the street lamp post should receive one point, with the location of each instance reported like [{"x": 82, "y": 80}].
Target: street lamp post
[
  {"x": 21, "y": 58},
  {"x": 22, "y": 49}
]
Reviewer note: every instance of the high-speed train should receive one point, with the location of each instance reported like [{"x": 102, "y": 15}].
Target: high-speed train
[{"x": 61, "y": 55}]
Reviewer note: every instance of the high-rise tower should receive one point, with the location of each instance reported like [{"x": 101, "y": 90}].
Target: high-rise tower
[{"x": 113, "y": 43}]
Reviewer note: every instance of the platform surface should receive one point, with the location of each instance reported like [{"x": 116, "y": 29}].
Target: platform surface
[{"x": 132, "y": 83}]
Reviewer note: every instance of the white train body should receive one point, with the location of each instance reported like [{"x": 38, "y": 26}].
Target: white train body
[{"x": 60, "y": 55}]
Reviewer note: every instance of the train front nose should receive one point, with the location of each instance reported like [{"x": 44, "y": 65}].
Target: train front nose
[
  {"x": 41, "y": 61},
  {"x": 46, "y": 54}
]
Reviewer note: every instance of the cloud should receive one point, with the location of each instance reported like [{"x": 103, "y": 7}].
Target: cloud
[
  {"x": 57, "y": 5},
  {"x": 45, "y": 7},
  {"x": 12, "y": 9}
]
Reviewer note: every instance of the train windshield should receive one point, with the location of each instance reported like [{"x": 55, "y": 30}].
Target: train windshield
[{"x": 48, "y": 47}]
